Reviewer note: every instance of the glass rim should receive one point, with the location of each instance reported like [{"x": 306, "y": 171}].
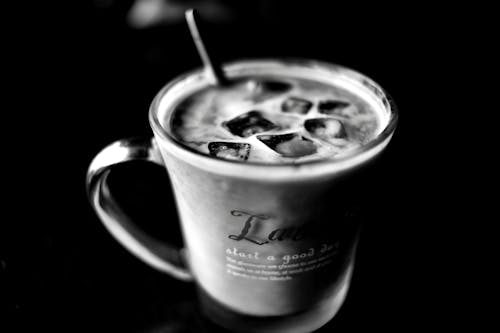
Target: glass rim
[{"x": 368, "y": 83}]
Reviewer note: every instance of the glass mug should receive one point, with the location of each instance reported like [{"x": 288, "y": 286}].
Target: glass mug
[{"x": 270, "y": 247}]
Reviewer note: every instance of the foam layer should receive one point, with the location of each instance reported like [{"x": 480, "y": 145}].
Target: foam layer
[{"x": 317, "y": 120}]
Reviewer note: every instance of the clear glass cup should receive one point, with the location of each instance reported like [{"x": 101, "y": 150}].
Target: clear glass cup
[{"x": 270, "y": 247}]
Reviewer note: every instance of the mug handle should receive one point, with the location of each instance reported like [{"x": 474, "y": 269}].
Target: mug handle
[{"x": 164, "y": 257}]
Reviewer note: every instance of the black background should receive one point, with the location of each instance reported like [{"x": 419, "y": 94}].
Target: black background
[{"x": 83, "y": 78}]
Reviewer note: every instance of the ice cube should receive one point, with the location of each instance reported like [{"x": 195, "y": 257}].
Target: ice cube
[
  {"x": 296, "y": 105},
  {"x": 229, "y": 150},
  {"x": 249, "y": 123},
  {"x": 262, "y": 90},
  {"x": 268, "y": 86},
  {"x": 325, "y": 128},
  {"x": 277, "y": 87},
  {"x": 289, "y": 145},
  {"x": 332, "y": 107}
]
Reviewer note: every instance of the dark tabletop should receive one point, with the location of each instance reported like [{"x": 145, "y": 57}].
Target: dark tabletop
[{"x": 91, "y": 77}]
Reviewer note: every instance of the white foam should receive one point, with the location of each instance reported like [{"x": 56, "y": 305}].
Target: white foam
[{"x": 202, "y": 115}]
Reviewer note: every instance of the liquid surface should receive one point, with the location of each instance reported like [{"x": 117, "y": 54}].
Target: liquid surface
[{"x": 274, "y": 120}]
